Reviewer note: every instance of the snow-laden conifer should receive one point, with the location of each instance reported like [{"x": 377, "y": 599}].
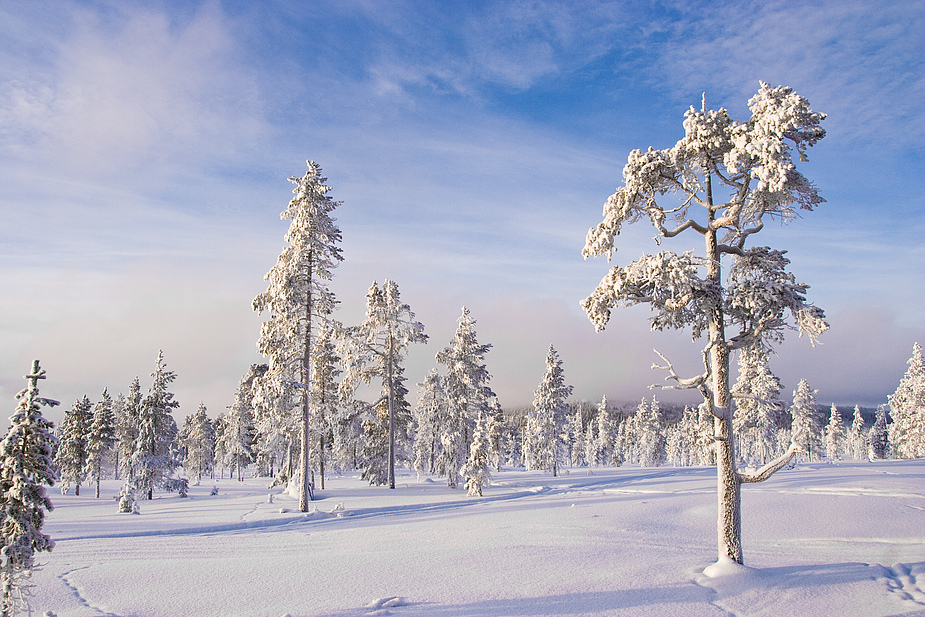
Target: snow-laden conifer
[
  {"x": 806, "y": 426},
  {"x": 878, "y": 440},
  {"x": 576, "y": 435},
  {"x": 153, "y": 459},
  {"x": 607, "y": 441},
  {"x": 72, "y": 455},
  {"x": 907, "y": 410},
  {"x": 467, "y": 392},
  {"x": 758, "y": 410},
  {"x": 387, "y": 431},
  {"x": 722, "y": 181},
  {"x": 325, "y": 398},
  {"x": 375, "y": 348},
  {"x": 127, "y": 426},
  {"x": 477, "y": 470},
  {"x": 100, "y": 439},
  {"x": 26, "y": 468},
  {"x": 429, "y": 412},
  {"x": 221, "y": 456},
  {"x": 650, "y": 438},
  {"x": 277, "y": 426},
  {"x": 546, "y": 424},
  {"x": 684, "y": 450},
  {"x": 835, "y": 435},
  {"x": 857, "y": 437},
  {"x": 496, "y": 427},
  {"x": 238, "y": 436},
  {"x": 299, "y": 302},
  {"x": 199, "y": 444}
]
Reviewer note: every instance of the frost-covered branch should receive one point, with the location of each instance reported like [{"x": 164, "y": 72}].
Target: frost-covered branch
[
  {"x": 768, "y": 470},
  {"x": 698, "y": 382}
]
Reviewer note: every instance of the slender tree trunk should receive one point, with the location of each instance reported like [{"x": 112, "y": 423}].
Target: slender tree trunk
[
  {"x": 304, "y": 488},
  {"x": 391, "y": 418},
  {"x": 321, "y": 460}
]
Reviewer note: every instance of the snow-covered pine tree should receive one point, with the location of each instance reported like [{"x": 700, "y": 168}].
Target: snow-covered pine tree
[
  {"x": 878, "y": 439},
  {"x": 26, "y": 468},
  {"x": 115, "y": 454},
  {"x": 857, "y": 436},
  {"x": 100, "y": 439},
  {"x": 429, "y": 411},
  {"x": 375, "y": 348},
  {"x": 741, "y": 174},
  {"x": 221, "y": 456},
  {"x": 607, "y": 436},
  {"x": 676, "y": 450},
  {"x": 72, "y": 455},
  {"x": 756, "y": 420},
  {"x": 835, "y": 436},
  {"x": 299, "y": 300},
  {"x": 277, "y": 426},
  {"x": 467, "y": 391},
  {"x": 806, "y": 425},
  {"x": 388, "y": 431},
  {"x": 704, "y": 449},
  {"x": 199, "y": 444},
  {"x": 153, "y": 457},
  {"x": 650, "y": 436},
  {"x": 547, "y": 422},
  {"x": 576, "y": 435},
  {"x": 477, "y": 470},
  {"x": 907, "y": 410},
  {"x": 496, "y": 426},
  {"x": 325, "y": 398},
  {"x": 592, "y": 443},
  {"x": 348, "y": 435},
  {"x": 239, "y": 423},
  {"x": 127, "y": 427},
  {"x": 689, "y": 434}
]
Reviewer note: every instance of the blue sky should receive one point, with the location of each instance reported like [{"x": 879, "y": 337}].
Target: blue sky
[{"x": 145, "y": 150}]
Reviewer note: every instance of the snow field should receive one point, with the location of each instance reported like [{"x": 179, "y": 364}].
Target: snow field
[{"x": 822, "y": 539}]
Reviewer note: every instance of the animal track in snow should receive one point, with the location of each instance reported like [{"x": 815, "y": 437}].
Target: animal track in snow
[
  {"x": 904, "y": 580},
  {"x": 76, "y": 592}
]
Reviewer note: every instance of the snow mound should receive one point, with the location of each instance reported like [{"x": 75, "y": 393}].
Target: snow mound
[
  {"x": 380, "y": 606},
  {"x": 725, "y": 567}
]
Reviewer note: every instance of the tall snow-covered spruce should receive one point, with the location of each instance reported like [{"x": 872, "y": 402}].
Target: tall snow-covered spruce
[
  {"x": 26, "y": 468},
  {"x": 153, "y": 457},
  {"x": 737, "y": 175},
  {"x": 299, "y": 301},
  {"x": 468, "y": 395},
  {"x": 375, "y": 348},
  {"x": 907, "y": 409},
  {"x": 545, "y": 438}
]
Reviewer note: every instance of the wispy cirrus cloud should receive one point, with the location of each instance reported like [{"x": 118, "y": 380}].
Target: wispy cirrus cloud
[
  {"x": 128, "y": 89},
  {"x": 862, "y": 63}
]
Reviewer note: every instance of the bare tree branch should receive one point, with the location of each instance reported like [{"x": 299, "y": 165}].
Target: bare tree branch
[
  {"x": 689, "y": 383},
  {"x": 768, "y": 470}
]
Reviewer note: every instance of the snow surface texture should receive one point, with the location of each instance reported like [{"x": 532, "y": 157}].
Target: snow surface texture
[{"x": 822, "y": 539}]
